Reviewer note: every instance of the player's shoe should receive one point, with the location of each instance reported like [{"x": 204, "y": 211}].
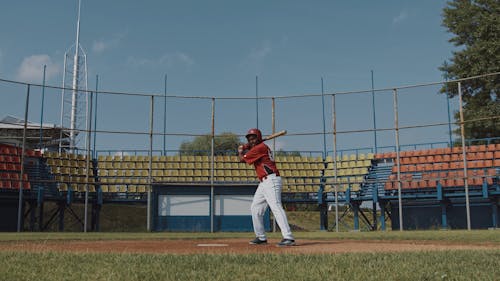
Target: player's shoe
[
  {"x": 258, "y": 241},
  {"x": 286, "y": 242}
]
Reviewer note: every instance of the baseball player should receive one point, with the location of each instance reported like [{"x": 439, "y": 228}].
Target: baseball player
[{"x": 257, "y": 153}]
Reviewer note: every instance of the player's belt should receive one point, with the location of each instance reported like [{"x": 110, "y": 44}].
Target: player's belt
[{"x": 265, "y": 178}]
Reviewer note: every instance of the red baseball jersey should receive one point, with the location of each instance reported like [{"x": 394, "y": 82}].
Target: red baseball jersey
[{"x": 261, "y": 157}]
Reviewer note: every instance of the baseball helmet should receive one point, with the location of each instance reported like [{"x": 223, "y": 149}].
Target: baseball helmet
[{"x": 255, "y": 131}]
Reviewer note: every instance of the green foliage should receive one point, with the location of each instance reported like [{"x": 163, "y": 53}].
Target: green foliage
[
  {"x": 281, "y": 152},
  {"x": 224, "y": 144},
  {"x": 476, "y": 28}
]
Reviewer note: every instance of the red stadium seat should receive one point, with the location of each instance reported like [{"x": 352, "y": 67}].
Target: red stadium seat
[
  {"x": 6, "y": 184},
  {"x": 388, "y": 185},
  {"x": 414, "y": 184},
  {"x": 446, "y": 158},
  {"x": 472, "y": 148},
  {"x": 15, "y": 184},
  {"x": 432, "y": 183}
]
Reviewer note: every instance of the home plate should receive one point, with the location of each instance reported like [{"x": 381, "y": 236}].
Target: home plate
[{"x": 211, "y": 245}]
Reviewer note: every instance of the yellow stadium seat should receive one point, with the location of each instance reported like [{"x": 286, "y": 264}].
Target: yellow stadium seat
[{"x": 132, "y": 188}]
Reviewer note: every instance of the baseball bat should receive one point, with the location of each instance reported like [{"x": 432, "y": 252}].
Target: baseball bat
[{"x": 275, "y": 135}]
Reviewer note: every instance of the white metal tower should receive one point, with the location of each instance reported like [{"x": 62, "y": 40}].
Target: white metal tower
[{"x": 74, "y": 105}]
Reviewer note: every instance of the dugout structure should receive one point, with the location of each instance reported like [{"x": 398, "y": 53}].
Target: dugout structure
[{"x": 187, "y": 208}]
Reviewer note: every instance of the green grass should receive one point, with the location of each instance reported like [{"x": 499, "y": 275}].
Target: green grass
[
  {"x": 446, "y": 265},
  {"x": 458, "y": 236}
]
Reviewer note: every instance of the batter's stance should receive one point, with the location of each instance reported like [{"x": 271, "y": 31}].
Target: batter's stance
[{"x": 257, "y": 153}]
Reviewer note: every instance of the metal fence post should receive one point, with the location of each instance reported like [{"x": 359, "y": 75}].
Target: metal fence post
[
  {"x": 398, "y": 160},
  {"x": 150, "y": 159},
  {"x": 20, "y": 203},
  {"x": 334, "y": 124},
  {"x": 212, "y": 203},
  {"x": 87, "y": 165},
  {"x": 462, "y": 133}
]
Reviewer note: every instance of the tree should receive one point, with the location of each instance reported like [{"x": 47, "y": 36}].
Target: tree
[
  {"x": 281, "y": 152},
  {"x": 224, "y": 144},
  {"x": 476, "y": 25}
]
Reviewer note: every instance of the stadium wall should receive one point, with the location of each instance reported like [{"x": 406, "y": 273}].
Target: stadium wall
[
  {"x": 187, "y": 208},
  {"x": 423, "y": 214}
]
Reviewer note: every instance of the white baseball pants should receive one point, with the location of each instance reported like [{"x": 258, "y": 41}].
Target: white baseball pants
[{"x": 268, "y": 193}]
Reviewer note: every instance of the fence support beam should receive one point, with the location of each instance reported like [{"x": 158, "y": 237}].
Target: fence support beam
[{"x": 398, "y": 160}]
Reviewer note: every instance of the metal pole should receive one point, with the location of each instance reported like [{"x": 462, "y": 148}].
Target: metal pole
[
  {"x": 462, "y": 132},
  {"x": 273, "y": 121},
  {"x": 396, "y": 129},
  {"x": 151, "y": 114},
  {"x": 445, "y": 64},
  {"x": 449, "y": 115},
  {"x": 87, "y": 165},
  {"x": 334, "y": 124},
  {"x": 62, "y": 108},
  {"x": 75, "y": 84},
  {"x": 273, "y": 124},
  {"x": 374, "y": 114},
  {"x": 212, "y": 203},
  {"x": 20, "y": 203},
  {"x": 41, "y": 111},
  {"x": 324, "y": 122},
  {"x": 257, "y": 98},
  {"x": 95, "y": 114},
  {"x": 165, "y": 117}
]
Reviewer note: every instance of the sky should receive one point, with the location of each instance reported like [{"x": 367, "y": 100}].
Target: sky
[{"x": 217, "y": 49}]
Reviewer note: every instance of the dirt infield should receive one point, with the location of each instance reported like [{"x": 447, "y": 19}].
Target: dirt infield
[{"x": 235, "y": 246}]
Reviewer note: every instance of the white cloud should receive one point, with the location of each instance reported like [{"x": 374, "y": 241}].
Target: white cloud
[
  {"x": 99, "y": 46},
  {"x": 169, "y": 60},
  {"x": 31, "y": 69},
  {"x": 403, "y": 15},
  {"x": 257, "y": 55},
  {"x": 261, "y": 52},
  {"x": 176, "y": 58},
  {"x": 102, "y": 45}
]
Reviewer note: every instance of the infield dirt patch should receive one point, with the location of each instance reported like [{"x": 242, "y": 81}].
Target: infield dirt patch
[{"x": 235, "y": 246}]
